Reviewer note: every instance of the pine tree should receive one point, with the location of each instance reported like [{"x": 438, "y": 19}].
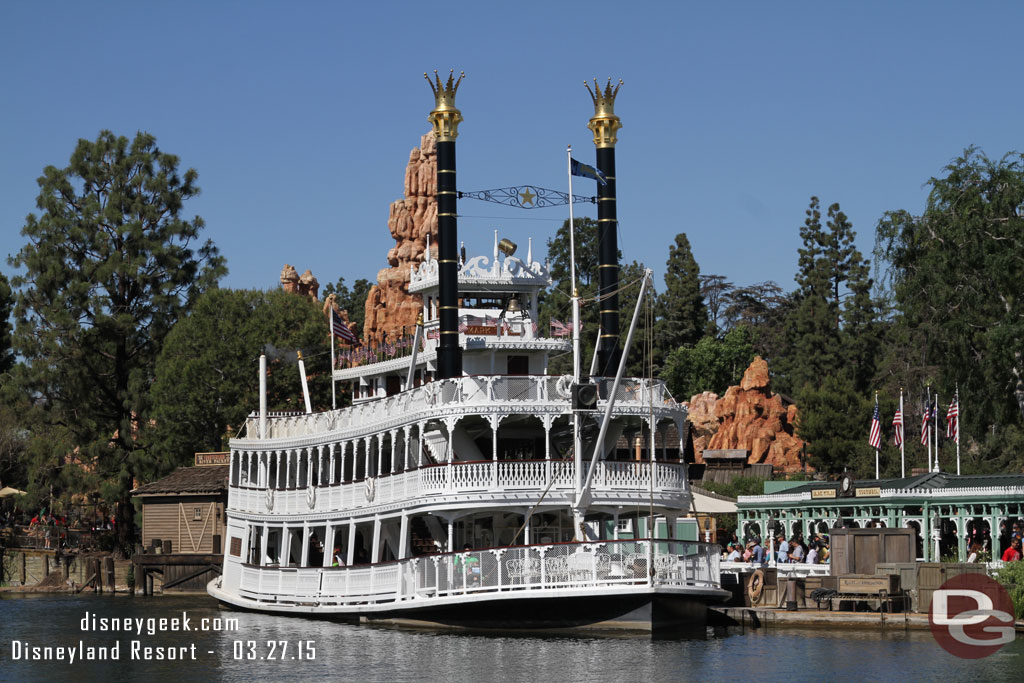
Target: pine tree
[
  {"x": 682, "y": 314},
  {"x": 110, "y": 266},
  {"x": 6, "y": 307}
]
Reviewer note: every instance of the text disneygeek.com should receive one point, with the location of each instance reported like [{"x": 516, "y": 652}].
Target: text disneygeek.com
[{"x": 140, "y": 649}]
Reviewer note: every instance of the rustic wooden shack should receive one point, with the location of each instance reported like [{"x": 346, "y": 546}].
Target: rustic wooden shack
[{"x": 183, "y": 525}]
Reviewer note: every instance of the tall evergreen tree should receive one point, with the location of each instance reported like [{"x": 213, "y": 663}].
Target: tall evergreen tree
[
  {"x": 6, "y": 308},
  {"x": 682, "y": 313},
  {"x": 832, "y": 328},
  {"x": 110, "y": 266}
]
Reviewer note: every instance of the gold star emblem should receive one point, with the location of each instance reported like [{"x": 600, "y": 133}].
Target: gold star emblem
[{"x": 526, "y": 197}]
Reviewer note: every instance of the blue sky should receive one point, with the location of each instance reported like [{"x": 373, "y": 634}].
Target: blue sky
[{"x": 299, "y": 116}]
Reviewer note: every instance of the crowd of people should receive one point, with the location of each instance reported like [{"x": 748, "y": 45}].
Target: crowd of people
[
  {"x": 1013, "y": 552},
  {"x": 796, "y": 549}
]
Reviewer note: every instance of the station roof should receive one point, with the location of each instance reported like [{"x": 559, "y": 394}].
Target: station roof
[
  {"x": 207, "y": 479},
  {"x": 929, "y": 481}
]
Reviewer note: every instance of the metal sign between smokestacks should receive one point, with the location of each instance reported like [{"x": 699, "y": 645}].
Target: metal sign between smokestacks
[{"x": 527, "y": 197}]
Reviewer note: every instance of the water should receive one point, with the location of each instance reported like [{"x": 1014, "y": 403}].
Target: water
[{"x": 358, "y": 653}]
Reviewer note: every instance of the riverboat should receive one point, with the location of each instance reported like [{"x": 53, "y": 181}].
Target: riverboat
[
  {"x": 462, "y": 501},
  {"x": 466, "y": 486}
]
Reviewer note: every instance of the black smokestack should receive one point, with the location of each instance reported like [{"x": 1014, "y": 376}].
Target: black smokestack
[{"x": 445, "y": 119}]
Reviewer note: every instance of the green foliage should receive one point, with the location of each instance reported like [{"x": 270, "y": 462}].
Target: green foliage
[
  {"x": 682, "y": 314},
  {"x": 207, "y": 376},
  {"x": 834, "y": 421},
  {"x": 712, "y": 365},
  {"x": 6, "y": 308},
  {"x": 557, "y": 301},
  {"x": 954, "y": 274},
  {"x": 109, "y": 267},
  {"x": 1011, "y": 576},
  {"x": 353, "y": 300}
]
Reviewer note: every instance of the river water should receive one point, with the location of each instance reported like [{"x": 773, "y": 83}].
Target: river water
[{"x": 289, "y": 648}]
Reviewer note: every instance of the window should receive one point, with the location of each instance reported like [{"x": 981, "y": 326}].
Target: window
[{"x": 197, "y": 514}]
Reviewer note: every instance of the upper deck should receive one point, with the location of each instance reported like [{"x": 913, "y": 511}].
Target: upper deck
[{"x": 456, "y": 397}]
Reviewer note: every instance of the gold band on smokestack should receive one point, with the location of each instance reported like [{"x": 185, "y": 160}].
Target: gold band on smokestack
[
  {"x": 605, "y": 124},
  {"x": 446, "y": 119}
]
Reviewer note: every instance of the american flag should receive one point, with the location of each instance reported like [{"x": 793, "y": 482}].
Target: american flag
[
  {"x": 925, "y": 417},
  {"x": 897, "y": 422},
  {"x": 953, "y": 420},
  {"x": 341, "y": 330},
  {"x": 876, "y": 430},
  {"x": 560, "y": 329}
]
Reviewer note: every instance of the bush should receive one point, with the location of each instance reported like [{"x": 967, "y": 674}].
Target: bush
[{"x": 1011, "y": 576}]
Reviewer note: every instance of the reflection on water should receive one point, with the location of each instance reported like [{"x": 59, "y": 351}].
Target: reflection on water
[{"x": 344, "y": 652}]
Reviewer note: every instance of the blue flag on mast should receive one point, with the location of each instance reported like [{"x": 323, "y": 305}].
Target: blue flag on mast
[{"x": 585, "y": 171}]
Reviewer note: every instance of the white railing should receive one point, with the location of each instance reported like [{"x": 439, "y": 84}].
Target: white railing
[
  {"x": 483, "y": 390},
  {"x": 599, "y": 564},
  {"x": 436, "y": 481},
  {"x": 795, "y": 569}
]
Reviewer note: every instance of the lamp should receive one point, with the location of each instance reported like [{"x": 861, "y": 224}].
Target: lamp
[{"x": 707, "y": 529}]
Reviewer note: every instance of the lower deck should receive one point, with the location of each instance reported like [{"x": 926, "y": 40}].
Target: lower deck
[{"x": 493, "y": 587}]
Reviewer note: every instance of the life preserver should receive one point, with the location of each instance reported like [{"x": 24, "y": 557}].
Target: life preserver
[
  {"x": 755, "y": 586},
  {"x": 371, "y": 489},
  {"x": 269, "y": 499},
  {"x": 564, "y": 386},
  {"x": 310, "y": 497}
]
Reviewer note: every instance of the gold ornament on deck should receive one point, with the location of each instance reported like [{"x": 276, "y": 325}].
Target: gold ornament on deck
[
  {"x": 445, "y": 117},
  {"x": 604, "y": 123}
]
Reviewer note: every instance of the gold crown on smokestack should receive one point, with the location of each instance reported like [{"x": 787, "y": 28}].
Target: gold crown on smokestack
[
  {"x": 604, "y": 123},
  {"x": 445, "y": 117}
]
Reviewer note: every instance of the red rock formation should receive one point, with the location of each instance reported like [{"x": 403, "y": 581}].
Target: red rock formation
[
  {"x": 389, "y": 305},
  {"x": 306, "y": 285},
  {"x": 705, "y": 423},
  {"x": 753, "y": 419}
]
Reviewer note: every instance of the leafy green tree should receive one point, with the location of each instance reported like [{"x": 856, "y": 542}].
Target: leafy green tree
[
  {"x": 713, "y": 364},
  {"x": 955, "y": 275},
  {"x": 352, "y": 300},
  {"x": 207, "y": 380},
  {"x": 110, "y": 265}
]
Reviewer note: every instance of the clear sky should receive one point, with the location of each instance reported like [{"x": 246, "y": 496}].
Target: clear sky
[{"x": 299, "y": 116}]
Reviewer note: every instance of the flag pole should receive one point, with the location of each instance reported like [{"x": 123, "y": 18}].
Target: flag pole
[
  {"x": 577, "y": 442},
  {"x": 330, "y": 333},
  {"x": 957, "y": 432},
  {"x": 877, "y": 450},
  {"x": 935, "y": 411},
  {"x": 927, "y": 427},
  {"x": 903, "y": 458},
  {"x": 572, "y": 277}
]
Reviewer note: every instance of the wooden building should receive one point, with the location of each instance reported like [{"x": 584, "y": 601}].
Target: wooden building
[
  {"x": 187, "y": 508},
  {"x": 183, "y": 526}
]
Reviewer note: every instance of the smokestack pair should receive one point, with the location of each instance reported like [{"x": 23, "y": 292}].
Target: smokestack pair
[{"x": 445, "y": 119}]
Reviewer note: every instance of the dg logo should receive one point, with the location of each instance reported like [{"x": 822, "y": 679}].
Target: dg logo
[{"x": 971, "y": 616}]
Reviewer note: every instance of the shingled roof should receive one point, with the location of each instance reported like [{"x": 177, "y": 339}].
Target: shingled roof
[{"x": 207, "y": 479}]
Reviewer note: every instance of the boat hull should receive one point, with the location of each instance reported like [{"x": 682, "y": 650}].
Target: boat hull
[{"x": 640, "y": 610}]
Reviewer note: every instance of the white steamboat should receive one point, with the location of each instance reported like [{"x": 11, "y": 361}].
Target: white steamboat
[{"x": 478, "y": 501}]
